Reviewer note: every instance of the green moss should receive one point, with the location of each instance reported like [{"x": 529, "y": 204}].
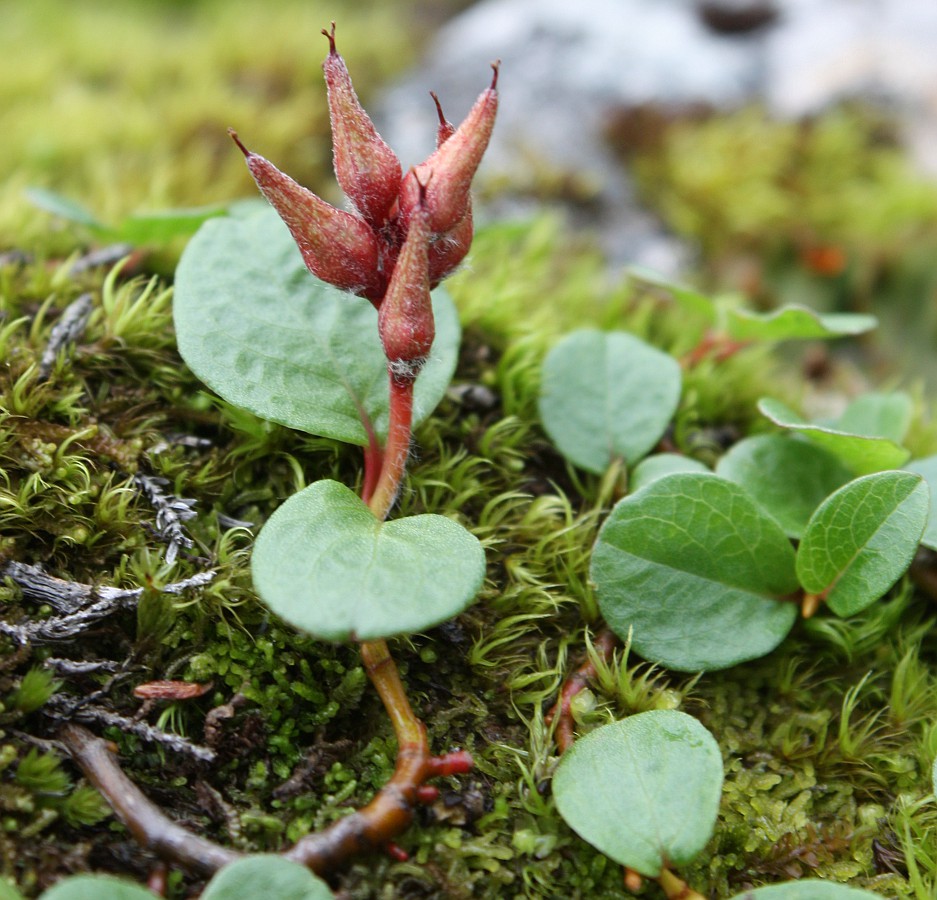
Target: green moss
[{"x": 828, "y": 743}]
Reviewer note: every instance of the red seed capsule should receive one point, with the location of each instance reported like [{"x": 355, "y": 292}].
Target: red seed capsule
[
  {"x": 366, "y": 168},
  {"x": 447, "y": 250},
  {"x": 336, "y": 246},
  {"x": 452, "y": 166},
  {"x": 405, "y": 319}
]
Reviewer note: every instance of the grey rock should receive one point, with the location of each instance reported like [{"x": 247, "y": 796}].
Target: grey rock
[{"x": 566, "y": 67}]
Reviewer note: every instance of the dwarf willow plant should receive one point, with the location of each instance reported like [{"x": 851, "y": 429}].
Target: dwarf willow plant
[
  {"x": 358, "y": 351},
  {"x": 697, "y": 569}
]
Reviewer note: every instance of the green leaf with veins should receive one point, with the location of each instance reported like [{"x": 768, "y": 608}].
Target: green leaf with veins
[
  {"x": 787, "y": 477},
  {"x": 645, "y": 790},
  {"x": 698, "y": 571},
  {"x": 861, "y": 453},
  {"x": 269, "y": 337},
  {"x": 862, "y": 539},
  {"x": 328, "y": 566},
  {"x": 607, "y": 395}
]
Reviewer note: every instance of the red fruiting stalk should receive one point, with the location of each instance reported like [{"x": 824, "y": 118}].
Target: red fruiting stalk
[
  {"x": 405, "y": 320},
  {"x": 459, "y": 762},
  {"x": 336, "y": 246},
  {"x": 449, "y": 249},
  {"x": 367, "y": 169},
  {"x": 397, "y": 448},
  {"x": 452, "y": 166}
]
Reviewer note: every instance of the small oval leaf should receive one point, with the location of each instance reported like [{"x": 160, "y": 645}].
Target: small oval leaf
[
  {"x": 696, "y": 572},
  {"x": 788, "y": 478},
  {"x": 879, "y": 415},
  {"x": 644, "y": 790},
  {"x": 863, "y": 454},
  {"x": 96, "y": 887},
  {"x": 269, "y": 337},
  {"x": 266, "y": 876},
  {"x": 807, "y": 889},
  {"x": 862, "y": 539},
  {"x": 607, "y": 395},
  {"x": 689, "y": 298},
  {"x": 794, "y": 323},
  {"x": 327, "y": 565}
]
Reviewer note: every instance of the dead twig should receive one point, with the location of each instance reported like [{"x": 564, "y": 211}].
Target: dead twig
[
  {"x": 171, "y": 514},
  {"x": 65, "y": 332},
  {"x": 80, "y": 605}
]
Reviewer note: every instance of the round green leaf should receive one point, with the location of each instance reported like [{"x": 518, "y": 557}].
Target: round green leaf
[
  {"x": 96, "y": 887},
  {"x": 266, "y": 876},
  {"x": 788, "y": 478},
  {"x": 862, "y": 453},
  {"x": 606, "y": 395},
  {"x": 879, "y": 415},
  {"x": 696, "y": 572},
  {"x": 807, "y": 889},
  {"x": 327, "y": 565},
  {"x": 794, "y": 323},
  {"x": 928, "y": 469},
  {"x": 660, "y": 464},
  {"x": 644, "y": 790},
  {"x": 268, "y": 336},
  {"x": 862, "y": 539}
]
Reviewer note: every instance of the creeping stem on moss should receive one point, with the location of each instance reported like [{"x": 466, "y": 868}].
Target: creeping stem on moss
[
  {"x": 391, "y": 811},
  {"x": 604, "y": 645},
  {"x": 151, "y": 828}
]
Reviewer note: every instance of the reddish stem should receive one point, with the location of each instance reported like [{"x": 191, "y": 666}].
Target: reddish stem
[
  {"x": 398, "y": 444},
  {"x": 604, "y": 646},
  {"x": 719, "y": 347}
]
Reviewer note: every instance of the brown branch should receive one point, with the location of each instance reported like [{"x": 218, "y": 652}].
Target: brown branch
[
  {"x": 604, "y": 645},
  {"x": 150, "y": 827},
  {"x": 391, "y": 811},
  {"x": 369, "y": 828}
]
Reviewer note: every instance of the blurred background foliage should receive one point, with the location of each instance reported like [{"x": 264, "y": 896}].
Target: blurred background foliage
[{"x": 123, "y": 106}]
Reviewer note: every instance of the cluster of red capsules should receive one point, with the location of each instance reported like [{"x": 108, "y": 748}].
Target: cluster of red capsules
[{"x": 405, "y": 233}]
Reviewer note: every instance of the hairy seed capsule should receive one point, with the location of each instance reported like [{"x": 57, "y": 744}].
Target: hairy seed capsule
[
  {"x": 336, "y": 246},
  {"x": 405, "y": 319},
  {"x": 367, "y": 169},
  {"x": 452, "y": 166}
]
